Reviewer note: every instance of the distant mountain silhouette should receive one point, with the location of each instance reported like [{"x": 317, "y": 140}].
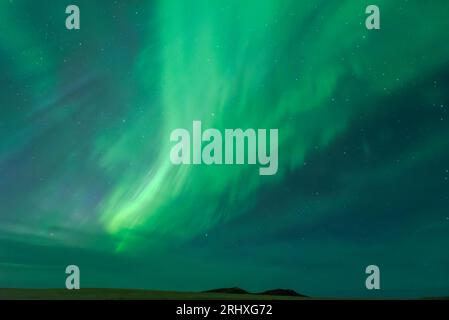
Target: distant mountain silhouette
[
  {"x": 282, "y": 292},
  {"x": 132, "y": 294},
  {"x": 274, "y": 292},
  {"x": 233, "y": 290}
]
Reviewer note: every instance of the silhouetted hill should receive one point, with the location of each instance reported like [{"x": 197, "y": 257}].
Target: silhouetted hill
[
  {"x": 233, "y": 290},
  {"x": 282, "y": 292},
  {"x": 131, "y": 294},
  {"x": 274, "y": 292}
]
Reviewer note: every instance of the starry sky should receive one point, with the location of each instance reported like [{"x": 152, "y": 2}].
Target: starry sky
[{"x": 363, "y": 119}]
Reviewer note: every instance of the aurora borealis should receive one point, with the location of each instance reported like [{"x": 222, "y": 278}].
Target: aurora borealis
[{"x": 363, "y": 177}]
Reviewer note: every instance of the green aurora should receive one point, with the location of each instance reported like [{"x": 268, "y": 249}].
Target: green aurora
[{"x": 86, "y": 116}]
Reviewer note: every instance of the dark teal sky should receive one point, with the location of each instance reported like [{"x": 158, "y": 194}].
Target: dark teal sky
[{"x": 85, "y": 122}]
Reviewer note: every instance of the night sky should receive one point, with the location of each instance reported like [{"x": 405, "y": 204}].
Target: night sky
[{"x": 363, "y": 119}]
